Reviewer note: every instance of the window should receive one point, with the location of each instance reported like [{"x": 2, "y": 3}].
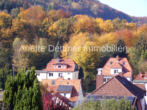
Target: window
[
  {"x": 54, "y": 66},
  {"x": 125, "y": 71},
  {"x": 104, "y": 80},
  {"x": 115, "y": 71},
  {"x": 64, "y": 66},
  {"x": 75, "y": 74},
  {"x": 123, "y": 63},
  {"x": 111, "y": 63},
  {"x": 38, "y": 74},
  {"x": 64, "y": 95},
  {"x": 60, "y": 74},
  {"x": 68, "y": 73},
  {"x": 50, "y": 74},
  {"x": 59, "y": 66}
]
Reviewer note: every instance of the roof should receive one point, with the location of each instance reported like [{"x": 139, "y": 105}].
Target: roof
[
  {"x": 119, "y": 86},
  {"x": 64, "y": 88},
  {"x": 107, "y": 67},
  {"x": 140, "y": 78},
  {"x": 76, "y": 83},
  {"x": 116, "y": 65},
  {"x": 71, "y": 65}
]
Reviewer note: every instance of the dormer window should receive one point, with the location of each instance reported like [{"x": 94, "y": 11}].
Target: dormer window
[
  {"x": 123, "y": 63},
  {"x": 63, "y": 66},
  {"x": 59, "y": 66},
  {"x": 111, "y": 63},
  {"x": 54, "y": 66}
]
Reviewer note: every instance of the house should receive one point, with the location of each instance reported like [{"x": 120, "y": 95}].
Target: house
[
  {"x": 71, "y": 89},
  {"x": 56, "y": 68},
  {"x": 113, "y": 66},
  {"x": 119, "y": 87},
  {"x": 141, "y": 80}
]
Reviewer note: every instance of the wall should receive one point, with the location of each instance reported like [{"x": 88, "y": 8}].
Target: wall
[
  {"x": 80, "y": 98},
  {"x": 56, "y": 75},
  {"x": 99, "y": 71},
  {"x": 112, "y": 70}
]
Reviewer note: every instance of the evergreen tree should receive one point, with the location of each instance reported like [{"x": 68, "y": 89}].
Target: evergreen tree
[
  {"x": 140, "y": 46},
  {"x": 57, "y": 52},
  {"x": 15, "y": 12},
  {"x": 23, "y": 93},
  {"x": 53, "y": 6},
  {"x": 81, "y": 74}
]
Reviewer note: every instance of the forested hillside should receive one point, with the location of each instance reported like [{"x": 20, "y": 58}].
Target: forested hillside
[
  {"x": 91, "y": 8},
  {"x": 24, "y": 25}
]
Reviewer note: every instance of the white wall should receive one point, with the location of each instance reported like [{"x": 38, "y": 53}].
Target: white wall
[
  {"x": 99, "y": 71},
  {"x": 42, "y": 76},
  {"x": 112, "y": 70},
  {"x": 72, "y": 75}
]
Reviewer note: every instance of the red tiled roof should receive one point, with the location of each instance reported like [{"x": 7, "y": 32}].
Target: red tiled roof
[
  {"x": 107, "y": 67},
  {"x": 119, "y": 86},
  {"x": 140, "y": 76},
  {"x": 116, "y": 65},
  {"x": 69, "y": 62},
  {"x": 60, "y": 81}
]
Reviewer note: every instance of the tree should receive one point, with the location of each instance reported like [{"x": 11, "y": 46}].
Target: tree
[
  {"x": 23, "y": 92},
  {"x": 57, "y": 52},
  {"x": 81, "y": 74},
  {"x": 52, "y": 104},
  {"x": 109, "y": 104},
  {"x": 4, "y": 73},
  {"x": 25, "y": 5},
  {"x": 20, "y": 54},
  {"x": 49, "y": 8},
  {"x": 15, "y": 12}
]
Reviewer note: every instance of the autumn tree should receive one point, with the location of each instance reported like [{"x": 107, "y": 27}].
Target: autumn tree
[
  {"x": 15, "y": 12},
  {"x": 20, "y": 54}
]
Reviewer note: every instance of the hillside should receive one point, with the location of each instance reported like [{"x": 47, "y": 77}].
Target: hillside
[{"x": 91, "y": 8}]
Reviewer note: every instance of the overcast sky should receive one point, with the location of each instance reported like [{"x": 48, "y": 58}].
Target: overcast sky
[{"x": 131, "y": 7}]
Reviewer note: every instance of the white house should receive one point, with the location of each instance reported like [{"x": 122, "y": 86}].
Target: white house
[
  {"x": 113, "y": 67},
  {"x": 71, "y": 89},
  {"x": 56, "y": 68}
]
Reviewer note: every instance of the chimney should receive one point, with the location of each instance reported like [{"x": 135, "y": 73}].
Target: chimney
[
  {"x": 121, "y": 74},
  {"x": 99, "y": 81},
  {"x": 141, "y": 75},
  {"x": 58, "y": 60},
  {"x": 117, "y": 58},
  {"x": 146, "y": 74}
]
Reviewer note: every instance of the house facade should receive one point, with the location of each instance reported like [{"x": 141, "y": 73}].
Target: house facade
[
  {"x": 113, "y": 67},
  {"x": 119, "y": 87},
  {"x": 70, "y": 89},
  {"x": 56, "y": 68}
]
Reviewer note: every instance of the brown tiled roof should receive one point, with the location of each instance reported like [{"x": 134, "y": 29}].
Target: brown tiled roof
[
  {"x": 119, "y": 86},
  {"x": 71, "y": 65},
  {"x": 60, "y": 81},
  {"x": 140, "y": 76},
  {"x": 107, "y": 67}
]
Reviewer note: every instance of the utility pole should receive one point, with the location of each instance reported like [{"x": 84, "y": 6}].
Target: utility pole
[{"x": 13, "y": 71}]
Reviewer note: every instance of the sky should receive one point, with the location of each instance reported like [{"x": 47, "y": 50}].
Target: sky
[{"x": 136, "y": 8}]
